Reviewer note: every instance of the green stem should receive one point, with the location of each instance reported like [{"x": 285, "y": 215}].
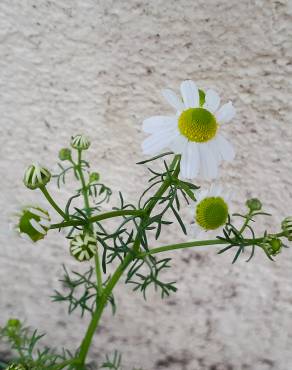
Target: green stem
[
  {"x": 103, "y": 216},
  {"x": 248, "y": 218},
  {"x": 98, "y": 275},
  {"x": 84, "y": 186},
  {"x": 171, "y": 247},
  {"x": 53, "y": 203},
  {"x": 87, "y": 209},
  {"x": 85, "y": 345},
  {"x": 145, "y": 215},
  {"x": 200, "y": 243},
  {"x": 164, "y": 185}
]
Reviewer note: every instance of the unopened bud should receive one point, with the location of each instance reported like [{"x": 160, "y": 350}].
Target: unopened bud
[
  {"x": 80, "y": 142},
  {"x": 33, "y": 223},
  {"x": 83, "y": 246},
  {"x": 272, "y": 245},
  {"x": 254, "y": 204},
  {"x": 94, "y": 176},
  {"x": 65, "y": 154},
  {"x": 287, "y": 227},
  {"x": 36, "y": 176}
]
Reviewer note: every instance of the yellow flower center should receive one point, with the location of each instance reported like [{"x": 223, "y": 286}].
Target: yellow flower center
[
  {"x": 211, "y": 213},
  {"x": 197, "y": 124}
]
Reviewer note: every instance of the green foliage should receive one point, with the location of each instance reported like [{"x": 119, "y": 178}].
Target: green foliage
[
  {"x": 114, "y": 362},
  {"x": 81, "y": 292},
  {"x": 127, "y": 244},
  {"x": 25, "y": 343},
  {"x": 143, "y": 281},
  {"x": 235, "y": 237}
]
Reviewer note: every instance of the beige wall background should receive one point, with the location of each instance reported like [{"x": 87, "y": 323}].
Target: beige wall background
[{"x": 98, "y": 66}]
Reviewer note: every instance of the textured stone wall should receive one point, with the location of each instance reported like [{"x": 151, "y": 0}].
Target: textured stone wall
[{"x": 98, "y": 66}]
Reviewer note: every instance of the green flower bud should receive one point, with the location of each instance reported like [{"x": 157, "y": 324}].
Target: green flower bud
[
  {"x": 13, "y": 323},
  {"x": 33, "y": 223},
  {"x": 83, "y": 247},
  {"x": 254, "y": 204},
  {"x": 272, "y": 245},
  {"x": 80, "y": 142},
  {"x": 65, "y": 154},
  {"x": 287, "y": 227},
  {"x": 36, "y": 176},
  {"x": 94, "y": 176},
  {"x": 16, "y": 367}
]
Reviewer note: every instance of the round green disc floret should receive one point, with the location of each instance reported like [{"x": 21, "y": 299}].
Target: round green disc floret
[
  {"x": 211, "y": 213},
  {"x": 197, "y": 124}
]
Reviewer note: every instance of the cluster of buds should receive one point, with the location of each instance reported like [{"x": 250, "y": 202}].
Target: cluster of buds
[
  {"x": 36, "y": 176},
  {"x": 272, "y": 245},
  {"x": 33, "y": 223},
  {"x": 287, "y": 227},
  {"x": 83, "y": 246},
  {"x": 80, "y": 142}
]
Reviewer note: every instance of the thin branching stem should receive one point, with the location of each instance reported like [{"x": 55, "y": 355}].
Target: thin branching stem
[
  {"x": 53, "y": 203},
  {"x": 199, "y": 243},
  {"x": 97, "y": 218}
]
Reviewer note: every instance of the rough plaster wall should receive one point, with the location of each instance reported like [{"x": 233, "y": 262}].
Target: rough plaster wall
[{"x": 100, "y": 65}]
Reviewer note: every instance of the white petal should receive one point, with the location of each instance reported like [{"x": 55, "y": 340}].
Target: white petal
[
  {"x": 201, "y": 195},
  {"x": 226, "y": 149},
  {"x": 196, "y": 230},
  {"x": 216, "y": 149},
  {"x": 25, "y": 237},
  {"x": 190, "y": 94},
  {"x": 45, "y": 223},
  {"x": 190, "y": 161},
  {"x": 37, "y": 226},
  {"x": 173, "y": 99},
  {"x": 225, "y": 113},
  {"x": 212, "y": 101},
  {"x": 37, "y": 212},
  {"x": 215, "y": 190},
  {"x": 152, "y": 124},
  {"x": 156, "y": 142},
  {"x": 178, "y": 144},
  {"x": 209, "y": 165}
]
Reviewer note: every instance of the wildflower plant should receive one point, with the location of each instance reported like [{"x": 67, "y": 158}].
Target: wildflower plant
[{"x": 191, "y": 147}]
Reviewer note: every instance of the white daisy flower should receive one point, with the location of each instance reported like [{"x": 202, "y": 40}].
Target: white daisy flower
[
  {"x": 210, "y": 211},
  {"x": 32, "y": 223},
  {"x": 193, "y": 132}
]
